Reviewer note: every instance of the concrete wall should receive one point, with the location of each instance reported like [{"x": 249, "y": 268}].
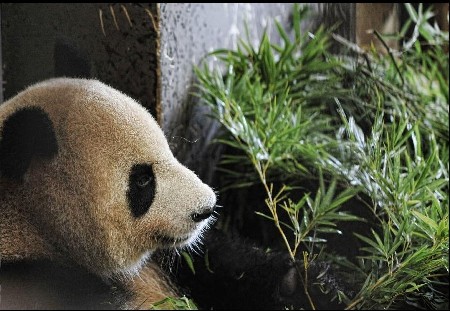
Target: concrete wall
[{"x": 116, "y": 43}]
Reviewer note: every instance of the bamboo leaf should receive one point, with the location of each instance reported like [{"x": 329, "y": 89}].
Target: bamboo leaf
[
  {"x": 189, "y": 261},
  {"x": 430, "y": 222}
]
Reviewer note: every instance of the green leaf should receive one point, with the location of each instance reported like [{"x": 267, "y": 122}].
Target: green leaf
[
  {"x": 189, "y": 261},
  {"x": 369, "y": 241},
  {"x": 430, "y": 222}
]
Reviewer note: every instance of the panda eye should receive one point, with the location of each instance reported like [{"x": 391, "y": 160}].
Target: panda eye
[
  {"x": 141, "y": 189},
  {"x": 144, "y": 180}
]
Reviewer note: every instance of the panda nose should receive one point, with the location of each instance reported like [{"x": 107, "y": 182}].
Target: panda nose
[{"x": 197, "y": 217}]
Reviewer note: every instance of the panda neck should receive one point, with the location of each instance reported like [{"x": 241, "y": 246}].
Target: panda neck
[{"x": 19, "y": 239}]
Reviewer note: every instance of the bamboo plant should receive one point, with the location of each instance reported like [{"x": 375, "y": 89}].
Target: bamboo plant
[{"x": 361, "y": 126}]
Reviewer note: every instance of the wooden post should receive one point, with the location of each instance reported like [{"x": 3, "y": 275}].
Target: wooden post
[{"x": 380, "y": 17}]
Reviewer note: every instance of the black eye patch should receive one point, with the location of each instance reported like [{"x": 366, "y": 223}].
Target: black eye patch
[{"x": 141, "y": 189}]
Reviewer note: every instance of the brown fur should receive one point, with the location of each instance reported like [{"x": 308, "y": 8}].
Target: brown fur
[
  {"x": 151, "y": 286},
  {"x": 74, "y": 206}
]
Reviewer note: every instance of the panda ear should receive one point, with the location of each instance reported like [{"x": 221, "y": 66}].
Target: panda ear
[{"x": 26, "y": 134}]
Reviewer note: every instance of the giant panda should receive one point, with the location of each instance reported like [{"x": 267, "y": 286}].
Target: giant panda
[{"x": 89, "y": 193}]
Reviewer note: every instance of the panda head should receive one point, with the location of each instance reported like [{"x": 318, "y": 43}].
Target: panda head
[{"x": 92, "y": 174}]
